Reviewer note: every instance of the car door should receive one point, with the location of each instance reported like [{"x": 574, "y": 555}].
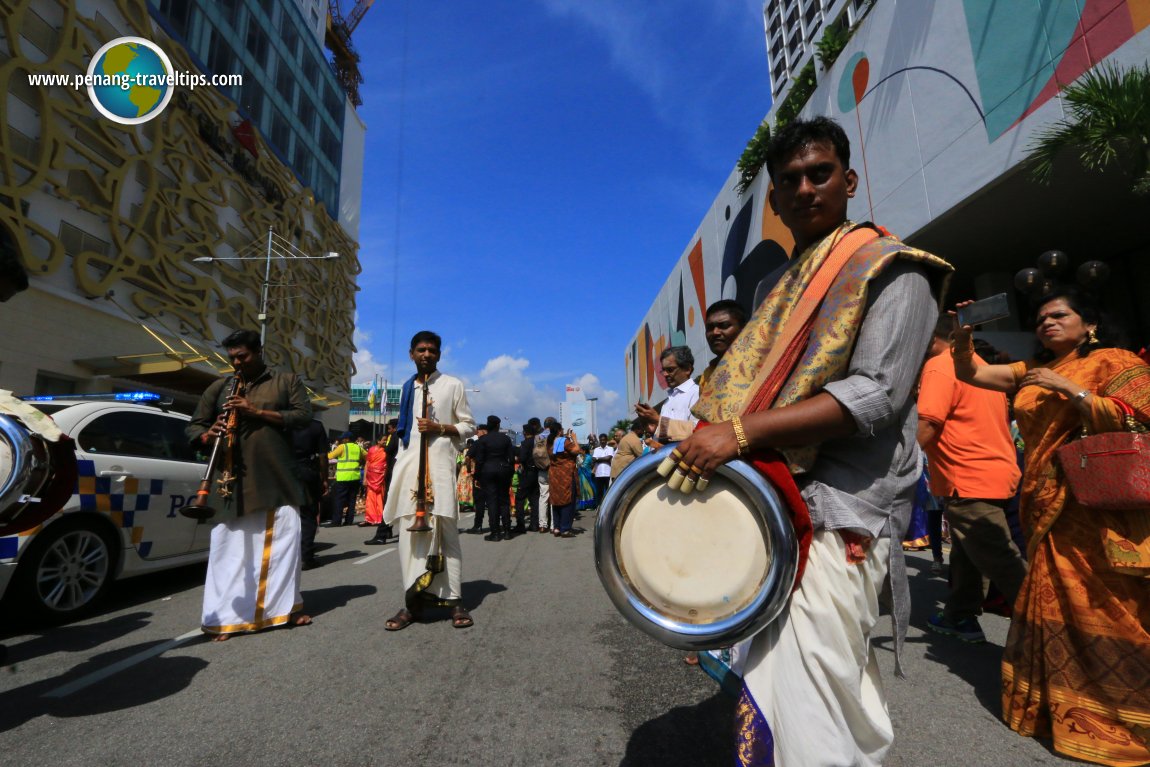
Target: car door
[{"x": 142, "y": 471}]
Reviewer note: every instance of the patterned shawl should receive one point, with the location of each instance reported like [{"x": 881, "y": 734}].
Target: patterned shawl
[{"x": 729, "y": 391}]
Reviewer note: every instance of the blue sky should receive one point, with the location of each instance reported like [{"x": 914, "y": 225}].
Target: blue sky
[{"x": 531, "y": 180}]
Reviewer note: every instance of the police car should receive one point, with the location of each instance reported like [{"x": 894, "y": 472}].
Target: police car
[{"x": 135, "y": 470}]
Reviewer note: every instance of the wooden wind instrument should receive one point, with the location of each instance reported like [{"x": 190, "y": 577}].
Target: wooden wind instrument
[
  {"x": 200, "y": 508},
  {"x": 422, "y": 502}
]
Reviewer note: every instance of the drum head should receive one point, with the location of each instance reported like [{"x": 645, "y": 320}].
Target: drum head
[
  {"x": 697, "y": 558},
  {"x": 699, "y": 571}
]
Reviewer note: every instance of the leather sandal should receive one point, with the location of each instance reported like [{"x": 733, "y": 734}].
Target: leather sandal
[
  {"x": 460, "y": 618},
  {"x": 399, "y": 621}
]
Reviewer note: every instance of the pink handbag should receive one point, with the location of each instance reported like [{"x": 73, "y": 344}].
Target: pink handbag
[{"x": 1111, "y": 470}]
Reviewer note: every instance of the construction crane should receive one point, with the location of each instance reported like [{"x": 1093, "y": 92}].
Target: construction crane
[{"x": 338, "y": 41}]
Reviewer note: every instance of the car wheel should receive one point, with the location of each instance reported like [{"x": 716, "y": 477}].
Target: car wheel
[{"x": 66, "y": 571}]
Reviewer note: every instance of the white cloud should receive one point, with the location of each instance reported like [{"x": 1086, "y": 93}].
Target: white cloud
[
  {"x": 506, "y": 390},
  {"x": 627, "y": 32},
  {"x": 366, "y": 365}
]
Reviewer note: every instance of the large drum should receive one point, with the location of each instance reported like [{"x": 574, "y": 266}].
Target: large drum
[
  {"x": 36, "y": 476},
  {"x": 699, "y": 571}
]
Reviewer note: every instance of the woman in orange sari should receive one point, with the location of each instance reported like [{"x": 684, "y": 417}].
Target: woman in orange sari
[
  {"x": 374, "y": 472},
  {"x": 1077, "y": 657}
]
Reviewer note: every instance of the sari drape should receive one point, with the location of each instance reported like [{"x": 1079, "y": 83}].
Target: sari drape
[
  {"x": 374, "y": 471},
  {"x": 1077, "y": 657}
]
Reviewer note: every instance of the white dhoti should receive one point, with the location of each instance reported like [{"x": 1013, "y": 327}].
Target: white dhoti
[
  {"x": 253, "y": 572},
  {"x": 813, "y": 675},
  {"x": 446, "y": 587}
]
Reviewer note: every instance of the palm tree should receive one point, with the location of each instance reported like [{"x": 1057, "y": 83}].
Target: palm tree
[{"x": 1109, "y": 122}]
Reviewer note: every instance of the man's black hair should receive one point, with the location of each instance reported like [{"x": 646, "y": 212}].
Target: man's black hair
[
  {"x": 731, "y": 307},
  {"x": 799, "y": 133},
  {"x": 249, "y": 339},
  {"x": 426, "y": 336}
]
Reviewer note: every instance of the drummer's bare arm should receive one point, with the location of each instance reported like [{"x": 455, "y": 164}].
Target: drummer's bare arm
[{"x": 810, "y": 422}]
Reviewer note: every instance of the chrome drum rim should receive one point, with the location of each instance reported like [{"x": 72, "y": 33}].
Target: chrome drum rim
[
  {"x": 72, "y": 571},
  {"x": 768, "y": 602}
]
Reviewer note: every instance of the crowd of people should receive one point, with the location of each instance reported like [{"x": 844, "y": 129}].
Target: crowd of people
[{"x": 828, "y": 388}]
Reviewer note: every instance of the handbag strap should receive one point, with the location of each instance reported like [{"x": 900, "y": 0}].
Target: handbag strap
[
  {"x": 1128, "y": 420},
  {"x": 784, "y": 353}
]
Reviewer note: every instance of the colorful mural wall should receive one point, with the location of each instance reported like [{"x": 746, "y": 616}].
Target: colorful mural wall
[{"x": 939, "y": 100}]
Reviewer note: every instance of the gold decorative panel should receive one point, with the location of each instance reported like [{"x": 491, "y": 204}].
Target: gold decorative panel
[{"x": 164, "y": 192}]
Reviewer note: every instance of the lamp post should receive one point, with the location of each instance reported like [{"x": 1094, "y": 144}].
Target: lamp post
[{"x": 282, "y": 249}]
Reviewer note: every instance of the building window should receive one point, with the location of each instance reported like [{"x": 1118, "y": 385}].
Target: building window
[
  {"x": 49, "y": 383},
  {"x": 179, "y": 14},
  {"x": 288, "y": 34},
  {"x": 221, "y": 59},
  {"x": 76, "y": 241},
  {"x": 811, "y": 16},
  {"x": 257, "y": 43},
  {"x": 285, "y": 83},
  {"x": 329, "y": 145},
  {"x": 280, "y": 133},
  {"x": 333, "y": 104},
  {"x": 300, "y": 161}
]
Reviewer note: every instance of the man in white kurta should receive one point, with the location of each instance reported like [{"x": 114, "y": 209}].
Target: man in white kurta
[{"x": 447, "y": 426}]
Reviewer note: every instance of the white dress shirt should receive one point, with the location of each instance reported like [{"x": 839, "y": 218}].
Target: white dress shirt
[{"x": 680, "y": 400}]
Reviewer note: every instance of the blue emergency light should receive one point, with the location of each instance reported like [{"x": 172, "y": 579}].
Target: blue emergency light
[{"x": 120, "y": 396}]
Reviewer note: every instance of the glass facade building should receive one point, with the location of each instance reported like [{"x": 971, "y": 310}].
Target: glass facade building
[{"x": 289, "y": 92}]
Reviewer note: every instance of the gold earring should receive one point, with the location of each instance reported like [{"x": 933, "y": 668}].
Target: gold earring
[{"x": 1091, "y": 338}]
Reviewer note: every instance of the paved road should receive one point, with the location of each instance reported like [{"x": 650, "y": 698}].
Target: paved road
[{"x": 549, "y": 675}]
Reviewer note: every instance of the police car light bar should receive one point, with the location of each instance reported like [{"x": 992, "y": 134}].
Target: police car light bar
[{"x": 121, "y": 396}]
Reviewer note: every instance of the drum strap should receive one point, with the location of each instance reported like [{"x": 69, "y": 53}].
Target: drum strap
[{"x": 784, "y": 354}]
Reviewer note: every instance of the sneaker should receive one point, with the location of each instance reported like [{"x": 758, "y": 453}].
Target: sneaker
[
  {"x": 967, "y": 629},
  {"x": 936, "y": 567}
]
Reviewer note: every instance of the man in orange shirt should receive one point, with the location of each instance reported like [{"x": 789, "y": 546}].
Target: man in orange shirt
[{"x": 966, "y": 436}]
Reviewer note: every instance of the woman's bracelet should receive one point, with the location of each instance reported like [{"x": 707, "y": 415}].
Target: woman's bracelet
[{"x": 740, "y": 436}]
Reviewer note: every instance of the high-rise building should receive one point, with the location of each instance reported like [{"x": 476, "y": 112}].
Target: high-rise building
[
  {"x": 794, "y": 27},
  {"x": 146, "y": 243}
]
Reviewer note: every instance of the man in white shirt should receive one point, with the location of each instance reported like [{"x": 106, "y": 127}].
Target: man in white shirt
[
  {"x": 602, "y": 456},
  {"x": 682, "y": 392}
]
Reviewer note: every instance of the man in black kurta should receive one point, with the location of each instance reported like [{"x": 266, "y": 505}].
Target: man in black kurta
[{"x": 254, "y": 558}]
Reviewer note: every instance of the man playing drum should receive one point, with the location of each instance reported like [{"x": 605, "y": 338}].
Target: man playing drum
[{"x": 830, "y": 410}]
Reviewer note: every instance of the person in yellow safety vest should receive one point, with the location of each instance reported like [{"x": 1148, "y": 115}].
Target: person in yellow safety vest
[{"x": 349, "y": 458}]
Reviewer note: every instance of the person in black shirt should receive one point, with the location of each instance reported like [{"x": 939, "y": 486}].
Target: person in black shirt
[
  {"x": 478, "y": 494},
  {"x": 309, "y": 450},
  {"x": 528, "y": 482},
  {"x": 494, "y": 463}
]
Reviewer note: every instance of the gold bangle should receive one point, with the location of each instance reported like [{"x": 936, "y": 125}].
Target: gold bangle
[{"x": 740, "y": 436}]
